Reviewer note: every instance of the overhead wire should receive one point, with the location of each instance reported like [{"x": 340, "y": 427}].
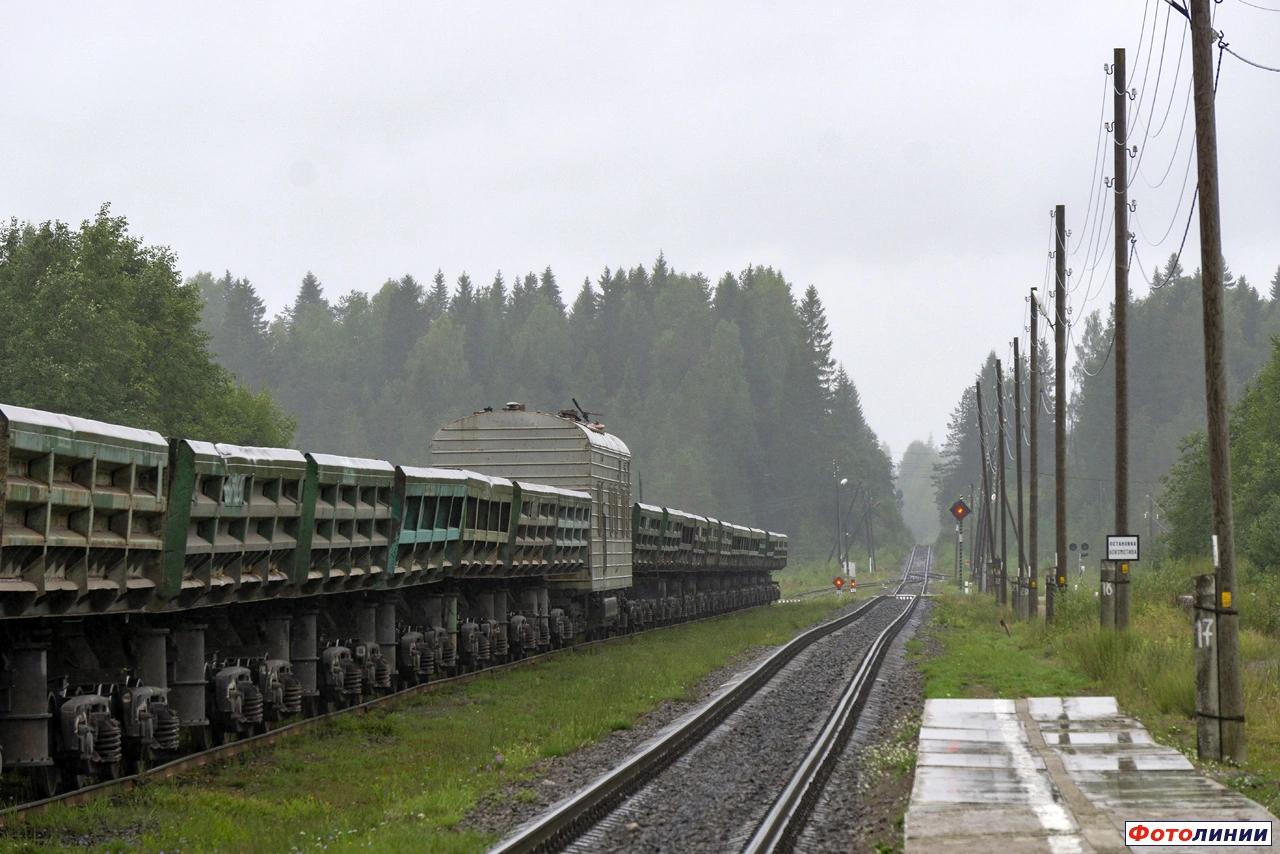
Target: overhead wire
[
  {"x": 1142, "y": 92},
  {"x": 1217, "y": 76},
  {"x": 1223, "y": 44},
  {"x": 1094, "y": 177},
  {"x": 1177, "y": 145},
  {"x": 1173, "y": 90},
  {"x": 1186, "y": 182}
]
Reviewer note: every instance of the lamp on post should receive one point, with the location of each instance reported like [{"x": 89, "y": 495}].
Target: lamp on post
[{"x": 840, "y": 532}]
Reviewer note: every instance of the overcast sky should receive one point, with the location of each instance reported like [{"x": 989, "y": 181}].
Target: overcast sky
[{"x": 902, "y": 157}]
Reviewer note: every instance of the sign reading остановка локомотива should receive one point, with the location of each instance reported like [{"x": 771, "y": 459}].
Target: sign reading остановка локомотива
[{"x": 1122, "y": 547}]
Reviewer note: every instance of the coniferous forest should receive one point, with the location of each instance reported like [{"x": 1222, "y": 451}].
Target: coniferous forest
[
  {"x": 1169, "y": 498},
  {"x": 725, "y": 391}
]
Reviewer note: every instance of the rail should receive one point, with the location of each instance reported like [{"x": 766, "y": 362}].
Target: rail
[
  {"x": 786, "y": 818},
  {"x": 571, "y": 817}
]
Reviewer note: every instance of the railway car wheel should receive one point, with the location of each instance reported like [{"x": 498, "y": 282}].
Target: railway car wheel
[
  {"x": 44, "y": 780},
  {"x": 141, "y": 761},
  {"x": 201, "y": 738},
  {"x": 73, "y": 779}
]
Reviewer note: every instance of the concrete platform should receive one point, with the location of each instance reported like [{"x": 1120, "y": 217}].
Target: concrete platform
[{"x": 1050, "y": 774}]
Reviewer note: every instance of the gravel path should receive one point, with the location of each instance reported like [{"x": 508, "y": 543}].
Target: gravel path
[{"x": 712, "y": 798}]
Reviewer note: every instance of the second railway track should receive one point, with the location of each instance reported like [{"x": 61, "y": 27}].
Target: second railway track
[{"x": 713, "y": 779}]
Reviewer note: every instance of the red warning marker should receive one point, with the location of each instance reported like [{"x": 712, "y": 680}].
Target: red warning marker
[
  {"x": 838, "y": 581},
  {"x": 960, "y": 510}
]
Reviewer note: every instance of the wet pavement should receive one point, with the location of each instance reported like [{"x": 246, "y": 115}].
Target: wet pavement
[{"x": 1050, "y": 774}]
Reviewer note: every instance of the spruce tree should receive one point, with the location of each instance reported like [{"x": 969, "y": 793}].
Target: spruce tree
[
  {"x": 550, "y": 290},
  {"x": 818, "y": 336},
  {"x": 438, "y": 299}
]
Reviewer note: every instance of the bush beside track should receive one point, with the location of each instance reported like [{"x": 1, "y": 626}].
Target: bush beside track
[{"x": 402, "y": 779}]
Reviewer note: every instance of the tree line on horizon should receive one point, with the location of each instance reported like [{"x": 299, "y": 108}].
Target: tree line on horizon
[
  {"x": 1168, "y": 473},
  {"x": 727, "y": 394}
]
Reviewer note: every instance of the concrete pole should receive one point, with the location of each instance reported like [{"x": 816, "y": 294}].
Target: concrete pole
[
  {"x": 1208, "y": 737},
  {"x": 1107, "y": 596}
]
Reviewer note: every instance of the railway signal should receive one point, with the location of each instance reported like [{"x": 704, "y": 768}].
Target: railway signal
[
  {"x": 838, "y": 581},
  {"x": 960, "y": 510}
]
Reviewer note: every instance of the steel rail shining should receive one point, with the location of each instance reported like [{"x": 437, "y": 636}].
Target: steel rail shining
[
  {"x": 785, "y": 819},
  {"x": 569, "y": 818}
]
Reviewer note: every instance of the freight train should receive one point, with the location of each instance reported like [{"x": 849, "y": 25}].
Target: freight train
[{"x": 160, "y": 596}]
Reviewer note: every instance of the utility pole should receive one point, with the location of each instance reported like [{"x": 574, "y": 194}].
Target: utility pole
[
  {"x": 1033, "y": 404},
  {"x": 1060, "y": 396},
  {"x": 986, "y": 491},
  {"x": 1017, "y": 444},
  {"x": 1121, "y": 341},
  {"x": 1151, "y": 522},
  {"x": 957, "y": 550},
  {"x": 973, "y": 536},
  {"x": 871, "y": 535},
  {"x": 835, "y": 475},
  {"x": 1230, "y": 689},
  {"x": 1003, "y": 597}
]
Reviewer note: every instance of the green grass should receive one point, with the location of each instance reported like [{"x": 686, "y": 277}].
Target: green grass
[
  {"x": 1149, "y": 670},
  {"x": 403, "y": 779}
]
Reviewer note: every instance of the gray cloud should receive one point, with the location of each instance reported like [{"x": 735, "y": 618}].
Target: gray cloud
[{"x": 902, "y": 157}]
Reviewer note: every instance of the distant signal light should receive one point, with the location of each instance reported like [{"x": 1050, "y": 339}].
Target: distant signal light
[{"x": 960, "y": 510}]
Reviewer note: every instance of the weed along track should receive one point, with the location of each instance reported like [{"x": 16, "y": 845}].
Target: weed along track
[{"x": 742, "y": 770}]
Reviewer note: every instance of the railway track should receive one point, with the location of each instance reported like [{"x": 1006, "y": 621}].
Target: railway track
[
  {"x": 620, "y": 809},
  {"x": 263, "y": 741},
  {"x": 786, "y": 818}
]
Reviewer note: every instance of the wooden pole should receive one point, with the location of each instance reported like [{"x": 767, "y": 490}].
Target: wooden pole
[
  {"x": 1003, "y": 595},
  {"x": 1017, "y": 444},
  {"x": 1033, "y": 405},
  {"x": 1231, "y": 693},
  {"x": 1120, "y": 104},
  {"x": 1060, "y": 395},
  {"x": 986, "y": 490}
]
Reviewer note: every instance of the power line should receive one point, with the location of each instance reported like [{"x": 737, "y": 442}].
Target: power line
[
  {"x": 1182, "y": 129},
  {"x": 1223, "y": 44},
  {"x": 1186, "y": 181},
  {"x": 1173, "y": 91},
  {"x": 1105, "y": 357},
  {"x": 1094, "y": 177}
]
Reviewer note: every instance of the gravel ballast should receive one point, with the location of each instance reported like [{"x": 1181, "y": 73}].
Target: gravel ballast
[
  {"x": 862, "y": 804},
  {"x": 713, "y": 797}
]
